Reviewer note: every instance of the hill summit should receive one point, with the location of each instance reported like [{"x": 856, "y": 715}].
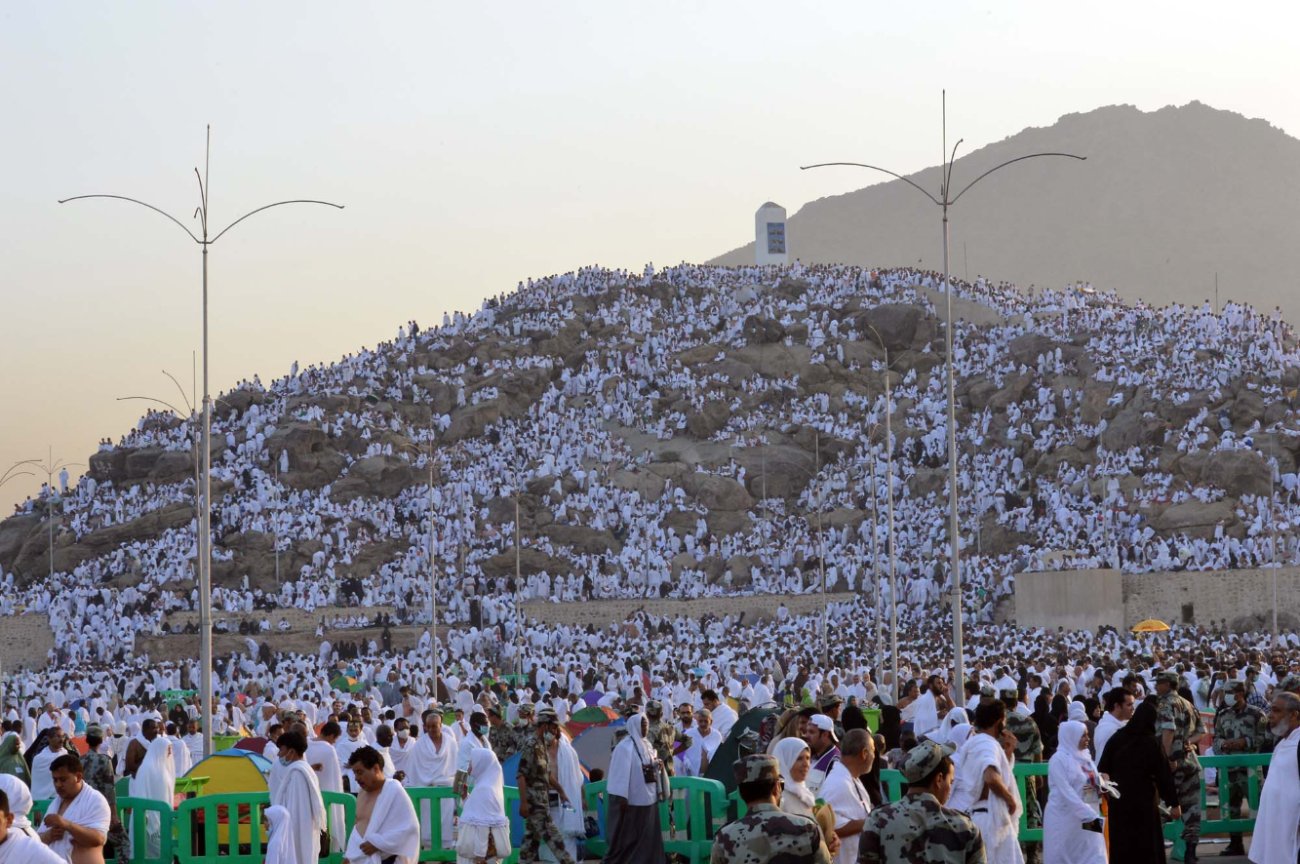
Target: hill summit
[
  {"x": 693, "y": 432},
  {"x": 1166, "y": 200}
]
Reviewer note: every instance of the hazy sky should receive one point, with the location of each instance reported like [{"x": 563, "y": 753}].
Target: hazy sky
[{"x": 477, "y": 144}]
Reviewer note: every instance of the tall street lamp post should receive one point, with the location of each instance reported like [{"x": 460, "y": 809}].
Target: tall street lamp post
[
  {"x": 945, "y": 200},
  {"x": 205, "y": 499}
]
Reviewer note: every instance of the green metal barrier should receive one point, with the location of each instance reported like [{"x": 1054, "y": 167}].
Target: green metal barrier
[
  {"x": 134, "y": 813},
  {"x": 430, "y": 817},
  {"x": 223, "y": 828},
  {"x": 37, "y": 813},
  {"x": 701, "y": 811},
  {"x": 1255, "y": 762}
]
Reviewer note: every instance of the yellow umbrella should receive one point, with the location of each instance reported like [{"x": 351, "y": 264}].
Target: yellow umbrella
[{"x": 1151, "y": 625}]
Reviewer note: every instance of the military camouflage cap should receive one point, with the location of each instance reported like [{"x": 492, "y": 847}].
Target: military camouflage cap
[
  {"x": 922, "y": 761},
  {"x": 1240, "y": 686},
  {"x": 526, "y": 709},
  {"x": 987, "y": 692},
  {"x": 547, "y": 715},
  {"x": 654, "y": 708},
  {"x": 1170, "y": 678},
  {"x": 1290, "y": 683},
  {"x": 94, "y": 730},
  {"x": 830, "y": 700},
  {"x": 756, "y": 767},
  {"x": 1009, "y": 693},
  {"x": 494, "y": 710}
]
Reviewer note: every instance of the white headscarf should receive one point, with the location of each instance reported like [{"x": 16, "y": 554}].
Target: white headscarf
[
  {"x": 1068, "y": 738},
  {"x": 279, "y": 845},
  {"x": 787, "y": 752},
  {"x": 156, "y": 779},
  {"x": 627, "y": 762},
  {"x": 486, "y": 804},
  {"x": 20, "y": 803},
  {"x": 955, "y": 717}
]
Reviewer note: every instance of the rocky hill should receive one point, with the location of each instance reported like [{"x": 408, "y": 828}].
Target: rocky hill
[
  {"x": 1166, "y": 199},
  {"x": 700, "y": 431}
]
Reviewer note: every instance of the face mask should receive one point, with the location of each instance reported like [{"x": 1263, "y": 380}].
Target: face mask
[
  {"x": 548, "y": 737},
  {"x": 480, "y": 731},
  {"x": 403, "y": 734},
  {"x": 284, "y": 761}
]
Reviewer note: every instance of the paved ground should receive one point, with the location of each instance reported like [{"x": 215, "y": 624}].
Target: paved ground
[{"x": 24, "y": 641}]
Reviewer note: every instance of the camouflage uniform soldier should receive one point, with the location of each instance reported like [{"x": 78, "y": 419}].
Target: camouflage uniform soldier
[
  {"x": 1029, "y": 748},
  {"x": 766, "y": 833},
  {"x": 918, "y": 829},
  {"x": 502, "y": 738},
  {"x": 1236, "y": 730},
  {"x": 536, "y": 785},
  {"x": 663, "y": 736},
  {"x": 1179, "y": 726}
]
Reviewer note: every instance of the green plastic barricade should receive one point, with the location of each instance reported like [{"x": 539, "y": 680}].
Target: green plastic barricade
[
  {"x": 893, "y": 783},
  {"x": 428, "y": 809},
  {"x": 595, "y": 802},
  {"x": 349, "y": 805},
  {"x": 511, "y": 797},
  {"x": 1021, "y": 771},
  {"x": 148, "y": 845},
  {"x": 222, "y": 829},
  {"x": 37, "y": 813},
  {"x": 693, "y": 817}
]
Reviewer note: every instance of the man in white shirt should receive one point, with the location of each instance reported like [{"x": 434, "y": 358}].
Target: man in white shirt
[
  {"x": 705, "y": 741},
  {"x": 724, "y": 716},
  {"x": 42, "y": 782},
  {"x": 846, "y": 795},
  {"x": 1119, "y": 706},
  {"x": 400, "y": 751},
  {"x": 433, "y": 763}
]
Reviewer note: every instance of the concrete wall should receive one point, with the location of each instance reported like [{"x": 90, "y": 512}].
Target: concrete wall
[
  {"x": 1243, "y": 598},
  {"x": 1086, "y": 599},
  {"x": 1073, "y": 599}
]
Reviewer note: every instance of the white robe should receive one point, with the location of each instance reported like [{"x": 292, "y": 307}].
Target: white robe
[
  {"x": 20, "y": 804},
  {"x": 19, "y": 848},
  {"x": 42, "y": 783},
  {"x": 89, "y": 810},
  {"x": 393, "y": 829},
  {"x": 330, "y": 779},
  {"x": 997, "y": 826},
  {"x": 434, "y": 766},
  {"x": 1068, "y": 777},
  {"x": 848, "y": 800},
  {"x": 155, "y": 780},
  {"x": 1277, "y": 825},
  {"x": 299, "y": 792}
]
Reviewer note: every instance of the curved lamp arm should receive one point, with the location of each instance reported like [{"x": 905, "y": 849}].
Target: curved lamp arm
[
  {"x": 178, "y": 222},
  {"x": 268, "y": 207},
  {"x": 933, "y": 200},
  {"x": 1012, "y": 162}
]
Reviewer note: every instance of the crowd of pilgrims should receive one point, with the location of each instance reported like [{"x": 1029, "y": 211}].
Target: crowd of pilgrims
[{"x": 590, "y": 426}]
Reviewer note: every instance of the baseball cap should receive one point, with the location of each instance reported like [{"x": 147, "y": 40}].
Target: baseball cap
[{"x": 822, "y": 722}]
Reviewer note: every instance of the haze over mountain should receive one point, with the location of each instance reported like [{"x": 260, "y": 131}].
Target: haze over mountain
[{"x": 1166, "y": 199}]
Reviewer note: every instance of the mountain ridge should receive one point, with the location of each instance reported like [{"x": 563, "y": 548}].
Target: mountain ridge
[{"x": 1166, "y": 199}]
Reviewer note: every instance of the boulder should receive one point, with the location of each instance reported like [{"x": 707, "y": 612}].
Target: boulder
[
  {"x": 648, "y": 485},
  {"x": 708, "y": 420},
  {"x": 584, "y": 540},
  {"x": 775, "y": 470},
  {"x": 1247, "y": 409},
  {"x": 896, "y": 325},
  {"x": 1238, "y": 472},
  {"x": 715, "y": 492},
  {"x": 1197, "y": 518},
  {"x": 299, "y": 438},
  {"x": 530, "y": 561},
  {"x": 759, "y": 330},
  {"x": 377, "y": 476}
]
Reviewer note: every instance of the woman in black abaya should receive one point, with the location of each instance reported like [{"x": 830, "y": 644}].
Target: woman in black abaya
[{"x": 1134, "y": 761}]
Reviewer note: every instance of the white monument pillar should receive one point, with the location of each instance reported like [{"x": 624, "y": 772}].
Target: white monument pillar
[{"x": 769, "y": 235}]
